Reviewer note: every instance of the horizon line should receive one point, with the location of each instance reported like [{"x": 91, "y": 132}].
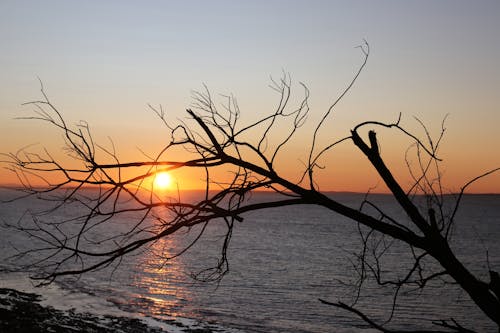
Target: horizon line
[{"x": 19, "y": 188}]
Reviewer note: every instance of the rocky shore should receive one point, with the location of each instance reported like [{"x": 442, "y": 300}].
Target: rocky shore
[{"x": 21, "y": 312}]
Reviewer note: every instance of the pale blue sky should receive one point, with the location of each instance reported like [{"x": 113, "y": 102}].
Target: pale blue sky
[{"x": 105, "y": 60}]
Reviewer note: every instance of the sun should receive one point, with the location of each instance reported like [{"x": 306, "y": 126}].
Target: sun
[{"x": 162, "y": 181}]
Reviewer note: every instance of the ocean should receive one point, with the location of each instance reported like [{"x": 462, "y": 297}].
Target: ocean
[{"x": 281, "y": 262}]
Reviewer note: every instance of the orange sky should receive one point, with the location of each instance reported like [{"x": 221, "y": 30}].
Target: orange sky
[{"x": 103, "y": 62}]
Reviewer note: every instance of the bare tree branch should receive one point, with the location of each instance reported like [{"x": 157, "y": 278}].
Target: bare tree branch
[{"x": 102, "y": 190}]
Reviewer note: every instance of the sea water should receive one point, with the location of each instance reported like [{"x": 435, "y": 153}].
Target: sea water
[{"x": 281, "y": 262}]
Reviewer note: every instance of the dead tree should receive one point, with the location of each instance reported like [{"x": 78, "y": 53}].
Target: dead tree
[{"x": 212, "y": 138}]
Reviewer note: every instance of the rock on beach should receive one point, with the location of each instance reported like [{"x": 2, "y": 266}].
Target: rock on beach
[{"x": 21, "y": 312}]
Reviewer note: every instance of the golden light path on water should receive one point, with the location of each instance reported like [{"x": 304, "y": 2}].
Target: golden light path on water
[{"x": 160, "y": 277}]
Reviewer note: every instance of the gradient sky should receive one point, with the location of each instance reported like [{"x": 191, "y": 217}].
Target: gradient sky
[{"x": 103, "y": 61}]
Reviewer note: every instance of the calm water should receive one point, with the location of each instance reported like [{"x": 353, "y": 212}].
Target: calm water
[{"x": 281, "y": 262}]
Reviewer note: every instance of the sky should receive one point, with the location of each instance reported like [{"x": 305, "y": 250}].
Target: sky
[{"x": 104, "y": 61}]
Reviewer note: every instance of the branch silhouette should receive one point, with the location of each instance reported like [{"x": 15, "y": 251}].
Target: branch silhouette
[{"x": 92, "y": 178}]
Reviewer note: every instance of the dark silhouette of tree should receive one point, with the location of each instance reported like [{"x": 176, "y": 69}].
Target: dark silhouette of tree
[{"x": 211, "y": 139}]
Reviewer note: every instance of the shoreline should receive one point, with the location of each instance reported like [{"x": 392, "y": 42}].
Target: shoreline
[{"x": 22, "y": 312}]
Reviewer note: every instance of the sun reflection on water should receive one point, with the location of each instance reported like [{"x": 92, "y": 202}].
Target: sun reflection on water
[{"x": 163, "y": 281}]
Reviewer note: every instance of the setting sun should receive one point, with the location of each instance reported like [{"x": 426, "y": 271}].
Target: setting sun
[{"x": 162, "y": 181}]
